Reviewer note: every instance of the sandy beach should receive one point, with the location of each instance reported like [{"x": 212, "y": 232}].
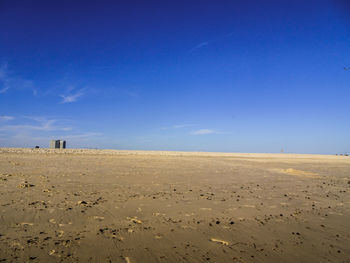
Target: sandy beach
[{"x": 147, "y": 206}]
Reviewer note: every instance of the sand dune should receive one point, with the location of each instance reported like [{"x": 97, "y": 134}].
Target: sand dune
[{"x": 138, "y": 206}]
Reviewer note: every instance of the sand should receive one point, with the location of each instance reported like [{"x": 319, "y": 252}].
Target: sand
[{"x": 138, "y": 206}]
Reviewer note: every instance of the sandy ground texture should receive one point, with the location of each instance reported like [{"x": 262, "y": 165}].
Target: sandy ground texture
[{"x": 135, "y": 206}]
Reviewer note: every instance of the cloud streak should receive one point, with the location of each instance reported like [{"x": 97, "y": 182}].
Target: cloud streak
[
  {"x": 83, "y": 136},
  {"x": 132, "y": 94},
  {"x": 40, "y": 124},
  {"x": 72, "y": 97},
  {"x": 4, "y": 82},
  {"x": 203, "y": 44},
  {"x": 203, "y": 132},
  {"x": 6, "y": 118},
  {"x": 8, "y": 82},
  {"x": 210, "y": 42},
  {"x": 178, "y": 126}
]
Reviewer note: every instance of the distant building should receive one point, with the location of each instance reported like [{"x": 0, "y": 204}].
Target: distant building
[
  {"x": 57, "y": 144},
  {"x": 54, "y": 144},
  {"x": 62, "y": 144}
]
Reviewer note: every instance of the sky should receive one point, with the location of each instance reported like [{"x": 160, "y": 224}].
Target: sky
[{"x": 227, "y": 76}]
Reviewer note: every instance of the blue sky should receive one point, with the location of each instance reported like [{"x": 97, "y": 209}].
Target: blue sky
[{"x": 230, "y": 76}]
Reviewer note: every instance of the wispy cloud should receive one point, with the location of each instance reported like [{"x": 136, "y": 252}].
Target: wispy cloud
[
  {"x": 203, "y": 44},
  {"x": 210, "y": 42},
  {"x": 178, "y": 126},
  {"x": 203, "y": 132},
  {"x": 72, "y": 97},
  {"x": 83, "y": 136},
  {"x": 132, "y": 94},
  {"x": 6, "y": 118},
  {"x": 4, "y": 81},
  {"x": 3, "y": 90},
  {"x": 36, "y": 124},
  {"x": 9, "y": 81}
]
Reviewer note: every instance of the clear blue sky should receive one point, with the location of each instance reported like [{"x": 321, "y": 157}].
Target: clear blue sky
[{"x": 231, "y": 76}]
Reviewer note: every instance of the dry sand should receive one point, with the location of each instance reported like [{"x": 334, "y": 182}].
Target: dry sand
[{"x": 137, "y": 206}]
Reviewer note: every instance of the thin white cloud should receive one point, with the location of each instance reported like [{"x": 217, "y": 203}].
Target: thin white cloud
[
  {"x": 178, "y": 126},
  {"x": 132, "y": 94},
  {"x": 203, "y": 44},
  {"x": 8, "y": 81},
  {"x": 3, "y": 71},
  {"x": 210, "y": 42},
  {"x": 4, "y": 86},
  {"x": 3, "y": 90},
  {"x": 203, "y": 132},
  {"x": 6, "y": 118},
  {"x": 4, "y": 82},
  {"x": 72, "y": 97},
  {"x": 229, "y": 34},
  {"x": 40, "y": 124},
  {"x": 82, "y": 136}
]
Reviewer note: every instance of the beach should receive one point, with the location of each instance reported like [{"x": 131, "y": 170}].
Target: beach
[{"x": 77, "y": 205}]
